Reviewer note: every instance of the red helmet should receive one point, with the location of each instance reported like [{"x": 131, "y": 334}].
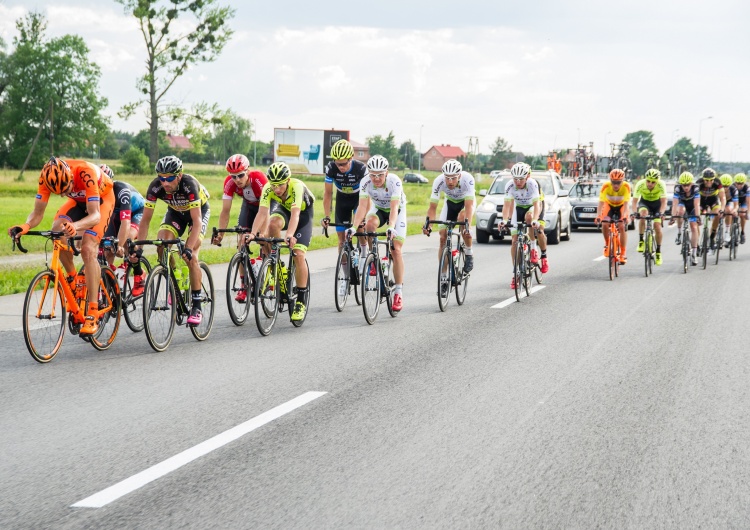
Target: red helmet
[
  {"x": 616, "y": 175},
  {"x": 237, "y": 164}
]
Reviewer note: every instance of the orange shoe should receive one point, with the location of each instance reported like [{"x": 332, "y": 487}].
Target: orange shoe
[
  {"x": 606, "y": 251},
  {"x": 90, "y": 327}
]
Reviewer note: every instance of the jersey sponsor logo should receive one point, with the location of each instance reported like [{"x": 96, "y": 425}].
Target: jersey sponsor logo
[
  {"x": 125, "y": 214},
  {"x": 191, "y": 197},
  {"x": 176, "y": 224}
]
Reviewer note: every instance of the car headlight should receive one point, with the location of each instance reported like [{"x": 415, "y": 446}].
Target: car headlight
[{"x": 486, "y": 206}]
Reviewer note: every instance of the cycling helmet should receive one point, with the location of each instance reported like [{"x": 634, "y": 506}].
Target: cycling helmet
[
  {"x": 520, "y": 169},
  {"x": 342, "y": 150},
  {"x": 169, "y": 165},
  {"x": 617, "y": 175},
  {"x": 708, "y": 174},
  {"x": 377, "y": 163},
  {"x": 652, "y": 175},
  {"x": 686, "y": 178},
  {"x": 740, "y": 178},
  {"x": 107, "y": 171},
  {"x": 56, "y": 175},
  {"x": 726, "y": 179},
  {"x": 237, "y": 164},
  {"x": 452, "y": 167},
  {"x": 279, "y": 173}
]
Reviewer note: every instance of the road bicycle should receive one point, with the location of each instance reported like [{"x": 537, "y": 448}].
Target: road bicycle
[
  {"x": 619, "y": 158},
  {"x": 132, "y": 305},
  {"x": 734, "y": 233},
  {"x": 649, "y": 240},
  {"x": 276, "y": 286},
  {"x": 703, "y": 246},
  {"x": 451, "y": 275},
  {"x": 51, "y": 303},
  {"x": 167, "y": 296},
  {"x": 347, "y": 271},
  {"x": 241, "y": 276},
  {"x": 684, "y": 240},
  {"x": 377, "y": 283},
  {"x": 614, "y": 246},
  {"x": 523, "y": 268}
]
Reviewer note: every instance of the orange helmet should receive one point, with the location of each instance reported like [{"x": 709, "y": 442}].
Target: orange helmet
[
  {"x": 616, "y": 175},
  {"x": 56, "y": 175}
]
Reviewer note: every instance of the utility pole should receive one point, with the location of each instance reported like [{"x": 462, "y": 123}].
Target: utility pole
[
  {"x": 473, "y": 151},
  {"x": 47, "y": 116}
]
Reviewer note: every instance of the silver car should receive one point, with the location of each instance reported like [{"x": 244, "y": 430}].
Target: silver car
[{"x": 556, "y": 207}]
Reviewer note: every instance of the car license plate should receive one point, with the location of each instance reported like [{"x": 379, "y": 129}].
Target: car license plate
[{"x": 587, "y": 215}]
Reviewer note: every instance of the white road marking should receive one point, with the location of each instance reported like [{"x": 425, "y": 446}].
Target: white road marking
[
  {"x": 506, "y": 303},
  {"x": 600, "y": 258},
  {"x": 128, "y": 485}
]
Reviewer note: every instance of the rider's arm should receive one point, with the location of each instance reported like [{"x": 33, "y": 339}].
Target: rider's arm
[
  {"x": 362, "y": 208},
  {"x": 195, "y": 230},
  {"x": 37, "y": 214},
  {"x": 663, "y": 205},
  {"x": 93, "y": 217},
  {"x": 508, "y": 209},
  {"x": 723, "y": 198},
  {"x": 469, "y": 211},
  {"x": 145, "y": 221},
  {"x": 393, "y": 216},
  {"x": 599, "y": 209},
  {"x": 261, "y": 222},
  {"x": 226, "y": 207}
]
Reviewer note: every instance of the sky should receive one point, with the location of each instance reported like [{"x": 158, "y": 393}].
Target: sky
[{"x": 542, "y": 74}]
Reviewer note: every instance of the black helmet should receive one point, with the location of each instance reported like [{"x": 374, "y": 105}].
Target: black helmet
[
  {"x": 169, "y": 165},
  {"x": 708, "y": 174}
]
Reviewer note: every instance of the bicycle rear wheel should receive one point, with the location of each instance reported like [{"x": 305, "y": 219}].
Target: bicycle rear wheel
[
  {"x": 462, "y": 280},
  {"x": 444, "y": 278},
  {"x": 342, "y": 282},
  {"x": 613, "y": 257},
  {"x": 159, "y": 306},
  {"x": 526, "y": 272},
  {"x": 132, "y": 306},
  {"x": 518, "y": 271},
  {"x": 719, "y": 241},
  {"x": 109, "y": 302},
  {"x": 390, "y": 284},
  {"x": 704, "y": 248},
  {"x": 685, "y": 250},
  {"x": 267, "y": 296},
  {"x": 239, "y": 282},
  {"x": 370, "y": 288},
  {"x": 647, "y": 252},
  {"x": 203, "y": 330},
  {"x": 43, "y": 328}
]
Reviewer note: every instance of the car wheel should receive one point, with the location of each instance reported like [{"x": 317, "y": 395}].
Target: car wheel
[
  {"x": 482, "y": 236},
  {"x": 554, "y": 237},
  {"x": 568, "y": 229}
]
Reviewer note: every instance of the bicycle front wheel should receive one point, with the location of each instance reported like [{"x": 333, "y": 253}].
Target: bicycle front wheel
[
  {"x": 370, "y": 284},
  {"x": 647, "y": 253},
  {"x": 203, "y": 330},
  {"x": 267, "y": 293},
  {"x": 613, "y": 258},
  {"x": 238, "y": 291},
  {"x": 526, "y": 271},
  {"x": 109, "y": 307},
  {"x": 390, "y": 284},
  {"x": 685, "y": 250},
  {"x": 132, "y": 305},
  {"x": 462, "y": 280},
  {"x": 343, "y": 280},
  {"x": 44, "y": 317},
  {"x": 518, "y": 271},
  {"x": 444, "y": 278},
  {"x": 293, "y": 288},
  {"x": 159, "y": 306}
]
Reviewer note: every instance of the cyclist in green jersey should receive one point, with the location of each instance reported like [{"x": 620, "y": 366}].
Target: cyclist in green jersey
[{"x": 650, "y": 198}]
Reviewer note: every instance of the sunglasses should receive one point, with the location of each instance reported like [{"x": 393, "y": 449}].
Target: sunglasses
[
  {"x": 454, "y": 177},
  {"x": 239, "y": 175},
  {"x": 519, "y": 179},
  {"x": 168, "y": 178},
  {"x": 342, "y": 163}
]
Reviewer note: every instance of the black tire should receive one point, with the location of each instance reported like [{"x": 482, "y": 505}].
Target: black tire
[
  {"x": 462, "y": 280},
  {"x": 518, "y": 271},
  {"x": 390, "y": 282},
  {"x": 293, "y": 289},
  {"x": 719, "y": 242},
  {"x": 554, "y": 237},
  {"x": 267, "y": 296},
  {"x": 44, "y": 341},
  {"x": 527, "y": 272},
  {"x": 685, "y": 251},
  {"x": 109, "y": 322},
  {"x": 203, "y": 330},
  {"x": 132, "y": 306},
  {"x": 370, "y": 285},
  {"x": 646, "y": 253},
  {"x": 159, "y": 307},
  {"x": 704, "y": 249},
  {"x": 239, "y": 311},
  {"x": 444, "y": 278},
  {"x": 482, "y": 236},
  {"x": 612, "y": 258},
  {"x": 342, "y": 280}
]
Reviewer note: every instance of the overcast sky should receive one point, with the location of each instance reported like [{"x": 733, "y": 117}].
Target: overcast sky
[{"x": 542, "y": 74}]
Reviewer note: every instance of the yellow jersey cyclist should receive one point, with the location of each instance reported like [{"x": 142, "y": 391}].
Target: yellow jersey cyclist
[
  {"x": 345, "y": 174},
  {"x": 614, "y": 204},
  {"x": 650, "y": 199},
  {"x": 731, "y": 196},
  {"x": 386, "y": 194},
  {"x": 712, "y": 199},
  {"x": 458, "y": 187},
  {"x": 686, "y": 201},
  {"x": 740, "y": 182},
  {"x": 187, "y": 207},
  {"x": 286, "y": 203}
]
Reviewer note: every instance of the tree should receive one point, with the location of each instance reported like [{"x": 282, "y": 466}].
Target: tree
[
  {"x": 385, "y": 147},
  {"x": 502, "y": 154},
  {"x": 135, "y": 161},
  {"x": 171, "y": 49},
  {"x": 408, "y": 153},
  {"x": 642, "y": 149}
]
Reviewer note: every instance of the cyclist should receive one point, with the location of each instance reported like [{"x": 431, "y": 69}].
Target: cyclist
[
  {"x": 187, "y": 207},
  {"x": 731, "y": 196},
  {"x": 286, "y": 203},
  {"x": 386, "y": 194},
  {"x": 248, "y": 185},
  {"x": 522, "y": 201},
  {"x": 712, "y": 198},
  {"x": 614, "y": 204},
  {"x": 650, "y": 198},
  {"x": 91, "y": 200},
  {"x": 346, "y": 175},
  {"x": 740, "y": 182},
  {"x": 458, "y": 187},
  {"x": 687, "y": 201},
  {"x": 540, "y": 238}
]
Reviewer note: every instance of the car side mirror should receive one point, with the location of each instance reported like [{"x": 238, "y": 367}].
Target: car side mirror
[
  {"x": 563, "y": 193},
  {"x": 482, "y": 193}
]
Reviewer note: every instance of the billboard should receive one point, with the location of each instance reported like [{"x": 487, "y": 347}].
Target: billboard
[{"x": 305, "y": 150}]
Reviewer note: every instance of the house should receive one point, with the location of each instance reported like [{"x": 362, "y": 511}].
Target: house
[
  {"x": 179, "y": 142},
  {"x": 361, "y": 151},
  {"x": 437, "y": 155}
]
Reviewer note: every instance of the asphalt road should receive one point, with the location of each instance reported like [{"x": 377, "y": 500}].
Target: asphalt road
[{"x": 593, "y": 403}]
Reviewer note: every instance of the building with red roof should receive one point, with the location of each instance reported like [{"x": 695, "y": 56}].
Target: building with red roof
[
  {"x": 437, "y": 155},
  {"x": 179, "y": 142}
]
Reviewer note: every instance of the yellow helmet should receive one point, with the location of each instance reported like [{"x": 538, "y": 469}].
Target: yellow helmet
[{"x": 342, "y": 150}]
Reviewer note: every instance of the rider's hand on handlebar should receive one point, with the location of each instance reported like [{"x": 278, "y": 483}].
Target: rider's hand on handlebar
[
  {"x": 325, "y": 222},
  {"x": 216, "y": 240},
  {"x": 390, "y": 233},
  {"x": 69, "y": 229},
  {"x": 187, "y": 254},
  {"x": 18, "y": 230},
  {"x": 348, "y": 233},
  {"x": 598, "y": 221}
]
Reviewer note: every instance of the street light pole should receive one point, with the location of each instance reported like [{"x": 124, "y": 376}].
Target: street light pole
[
  {"x": 419, "y": 159},
  {"x": 672, "y": 149},
  {"x": 698, "y": 147},
  {"x": 255, "y": 139},
  {"x": 713, "y": 133}
]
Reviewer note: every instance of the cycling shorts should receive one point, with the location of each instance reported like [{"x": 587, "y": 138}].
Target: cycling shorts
[
  {"x": 176, "y": 222},
  {"x": 114, "y": 226},
  {"x": 73, "y": 210},
  {"x": 710, "y": 203},
  {"x": 346, "y": 204},
  {"x": 248, "y": 212},
  {"x": 304, "y": 225},
  {"x": 451, "y": 210},
  {"x": 653, "y": 207},
  {"x": 384, "y": 216}
]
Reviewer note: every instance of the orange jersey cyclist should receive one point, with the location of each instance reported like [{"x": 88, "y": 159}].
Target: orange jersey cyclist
[
  {"x": 187, "y": 207},
  {"x": 286, "y": 203},
  {"x": 88, "y": 209},
  {"x": 614, "y": 204},
  {"x": 712, "y": 199}
]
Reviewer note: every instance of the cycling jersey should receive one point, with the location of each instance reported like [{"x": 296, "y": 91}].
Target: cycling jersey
[
  {"x": 732, "y": 194},
  {"x": 89, "y": 183},
  {"x": 297, "y": 196},
  {"x": 127, "y": 200},
  {"x": 683, "y": 196},
  {"x": 524, "y": 197},
  {"x": 348, "y": 182},
  {"x": 189, "y": 194},
  {"x": 464, "y": 188},
  {"x": 251, "y": 192},
  {"x": 382, "y": 197},
  {"x": 742, "y": 195},
  {"x": 612, "y": 197},
  {"x": 709, "y": 188},
  {"x": 642, "y": 192}
]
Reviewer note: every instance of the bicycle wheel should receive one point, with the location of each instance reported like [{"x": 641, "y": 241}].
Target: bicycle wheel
[
  {"x": 517, "y": 271},
  {"x": 462, "y": 280},
  {"x": 719, "y": 241},
  {"x": 159, "y": 306},
  {"x": 704, "y": 247},
  {"x": 526, "y": 272},
  {"x": 44, "y": 317},
  {"x": 238, "y": 281},
  {"x": 647, "y": 252},
  {"x": 355, "y": 278},
  {"x": 293, "y": 288},
  {"x": 538, "y": 274},
  {"x": 390, "y": 284},
  {"x": 685, "y": 250},
  {"x": 203, "y": 330},
  {"x": 444, "y": 278},
  {"x": 342, "y": 282},
  {"x": 735, "y": 239},
  {"x": 267, "y": 296},
  {"x": 613, "y": 257},
  {"x": 370, "y": 288},
  {"x": 109, "y": 304},
  {"x": 132, "y": 306}
]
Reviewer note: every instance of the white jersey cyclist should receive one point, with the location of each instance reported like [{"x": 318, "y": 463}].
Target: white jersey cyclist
[
  {"x": 453, "y": 197},
  {"x": 381, "y": 198},
  {"x": 523, "y": 198}
]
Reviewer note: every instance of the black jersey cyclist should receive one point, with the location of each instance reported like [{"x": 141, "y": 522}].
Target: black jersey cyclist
[
  {"x": 686, "y": 201},
  {"x": 740, "y": 182},
  {"x": 712, "y": 199}
]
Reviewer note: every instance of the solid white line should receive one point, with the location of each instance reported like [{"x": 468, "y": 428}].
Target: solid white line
[
  {"x": 600, "y": 258},
  {"x": 506, "y": 303},
  {"x": 128, "y": 485}
]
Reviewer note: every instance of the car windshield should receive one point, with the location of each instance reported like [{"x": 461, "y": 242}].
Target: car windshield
[
  {"x": 544, "y": 182},
  {"x": 585, "y": 190}
]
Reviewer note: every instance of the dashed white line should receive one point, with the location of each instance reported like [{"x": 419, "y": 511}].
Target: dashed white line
[
  {"x": 600, "y": 258},
  {"x": 128, "y": 485},
  {"x": 506, "y": 303}
]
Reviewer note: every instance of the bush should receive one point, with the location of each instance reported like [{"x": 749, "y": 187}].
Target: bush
[{"x": 135, "y": 161}]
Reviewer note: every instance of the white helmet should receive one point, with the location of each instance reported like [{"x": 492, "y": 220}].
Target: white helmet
[
  {"x": 520, "y": 169},
  {"x": 377, "y": 163},
  {"x": 452, "y": 167}
]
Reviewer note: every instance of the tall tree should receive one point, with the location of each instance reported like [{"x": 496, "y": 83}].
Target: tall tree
[
  {"x": 385, "y": 147},
  {"x": 642, "y": 149},
  {"x": 171, "y": 49},
  {"x": 502, "y": 154},
  {"x": 408, "y": 153}
]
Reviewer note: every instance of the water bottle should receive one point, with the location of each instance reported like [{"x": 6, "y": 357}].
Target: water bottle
[
  {"x": 255, "y": 265},
  {"x": 182, "y": 274},
  {"x": 120, "y": 274},
  {"x": 355, "y": 257},
  {"x": 80, "y": 284},
  {"x": 384, "y": 265},
  {"x": 283, "y": 274}
]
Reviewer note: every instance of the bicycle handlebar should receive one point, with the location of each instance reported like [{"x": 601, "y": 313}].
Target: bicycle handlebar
[
  {"x": 50, "y": 234},
  {"x": 236, "y": 230},
  {"x": 344, "y": 225}
]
